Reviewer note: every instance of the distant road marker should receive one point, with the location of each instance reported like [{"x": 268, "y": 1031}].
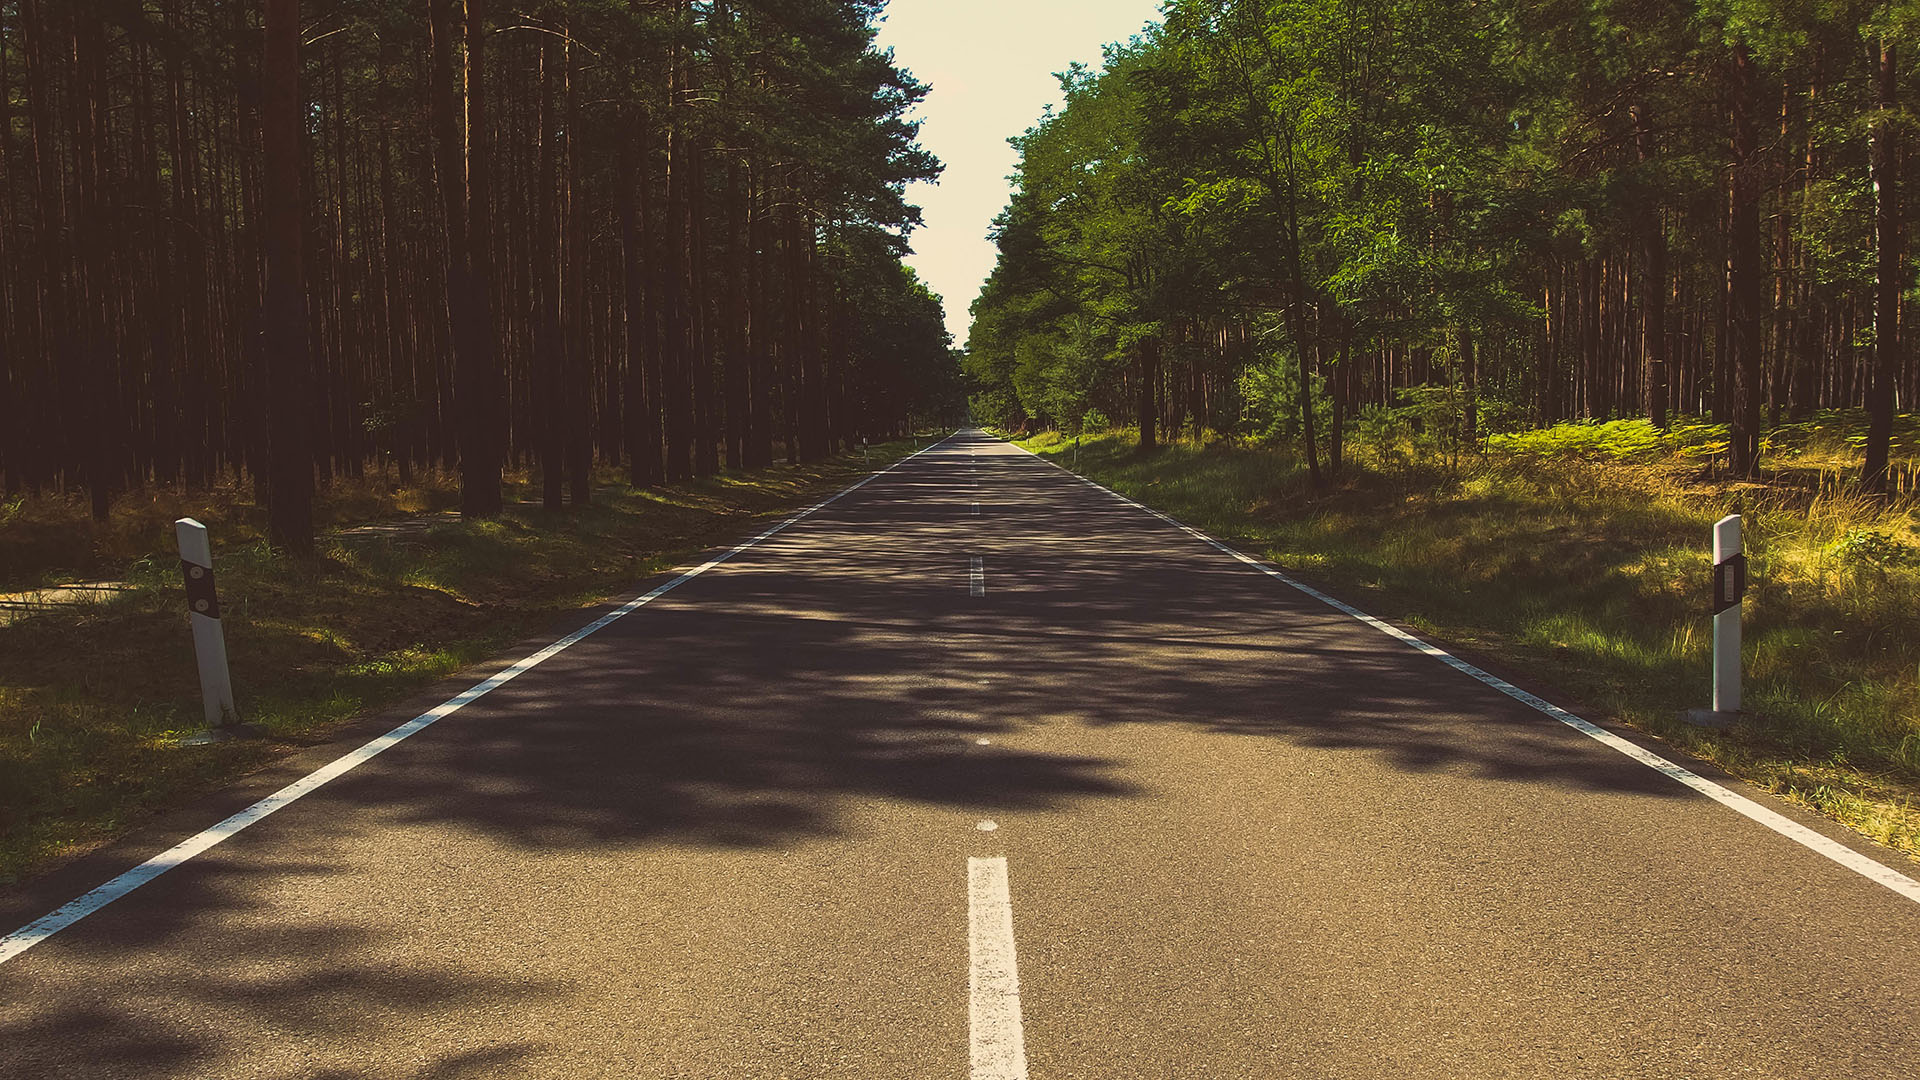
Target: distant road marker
[{"x": 997, "y": 1042}]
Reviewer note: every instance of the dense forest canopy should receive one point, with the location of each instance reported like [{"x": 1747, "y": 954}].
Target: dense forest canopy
[
  {"x": 286, "y": 239},
  {"x": 1279, "y": 217}
]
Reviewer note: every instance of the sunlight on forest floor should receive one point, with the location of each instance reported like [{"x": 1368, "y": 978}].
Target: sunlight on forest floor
[
  {"x": 94, "y": 700},
  {"x": 1591, "y": 576}
]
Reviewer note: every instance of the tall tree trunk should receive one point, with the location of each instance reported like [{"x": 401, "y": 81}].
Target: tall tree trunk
[
  {"x": 761, "y": 322},
  {"x": 15, "y": 436},
  {"x": 1147, "y": 350},
  {"x": 734, "y": 325},
  {"x": 706, "y": 461},
  {"x": 467, "y": 304},
  {"x": 1549, "y": 375},
  {"x": 1469, "y": 385},
  {"x": 791, "y": 376},
  {"x": 477, "y": 377},
  {"x": 1888, "y": 276},
  {"x": 642, "y": 415},
  {"x": 1297, "y": 314},
  {"x": 1745, "y": 268},
  {"x": 549, "y": 363},
  {"x": 579, "y": 376},
  {"x": 1781, "y": 370},
  {"x": 98, "y": 392},
  {"x": 284, "y": 316},
  {"x": 1654, "y": 287},
  {"x": 678, "y": 331},
  {"x": 1343, "y": 390}
]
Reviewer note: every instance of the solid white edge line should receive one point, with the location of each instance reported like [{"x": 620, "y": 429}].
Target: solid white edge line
[
  {"x": 1866, "y": 867},
  {"x": 996, "y": 1040},
  {"x": 73, "y": 911}
]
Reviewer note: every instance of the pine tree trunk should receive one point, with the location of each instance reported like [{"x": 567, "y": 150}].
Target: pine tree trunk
[
  {"x": 760, "y": 324},
  {"x": 284, "y": 315},
  {"x": 706, "y": 460},
  {"x": 462, "y": 312},
  {"x": 1146, "y": 390},
  {"x": 15, "y": 436},
  {"x": 1654, "y": 287},
  {"x": 734, "y": 325},
  {"x": 1744, "y": 268},
  {"x": 579, "y": 376},
  {"x": 1470, "y": 385},
  {"x": 678, "y": 331},
  {"x": 642, "y": 416},
  {"x": 1888, "y": 276},
  {"x": 476, "y": 372},
  {"x": 548, "y": 364}
]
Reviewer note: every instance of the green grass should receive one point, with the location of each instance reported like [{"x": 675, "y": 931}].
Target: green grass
[
  {"x": 94, "y": 702},
  {"x": 1587, "y": 568}
]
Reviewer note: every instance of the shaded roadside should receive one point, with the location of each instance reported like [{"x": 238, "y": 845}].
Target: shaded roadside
[{"x": 95, "y": 698}]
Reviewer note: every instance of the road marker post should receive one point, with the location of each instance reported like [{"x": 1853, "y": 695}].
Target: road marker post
[
  {"x": 1729, "y": 589},
  {"x": 209, "y": 640}
]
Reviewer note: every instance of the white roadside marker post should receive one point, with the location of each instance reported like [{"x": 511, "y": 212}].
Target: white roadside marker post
[
  {"x": 203, "y": 611},
  {"x": 1729, "y": 588}
]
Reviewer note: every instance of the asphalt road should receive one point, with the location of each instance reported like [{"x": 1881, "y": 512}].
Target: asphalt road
[{"x": 743, "y": 832}]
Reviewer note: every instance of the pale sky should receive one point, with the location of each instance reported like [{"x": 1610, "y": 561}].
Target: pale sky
[{"x": 991, "y": 65}]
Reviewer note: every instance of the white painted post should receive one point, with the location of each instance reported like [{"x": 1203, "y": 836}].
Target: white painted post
[
  {"x": 203, "y": 611},
  {"x": 1730, "y": 578}
]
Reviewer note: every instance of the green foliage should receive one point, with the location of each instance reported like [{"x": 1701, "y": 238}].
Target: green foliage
[
  {"x": 892, "y": 334},
  {"x": 1841, "y": 431},
  {"x": 1270, "y": 396},
  {"x": 1426, "y": 426},
  {"x": 1425, "y": 182},
  {"x": 1616, "y": 440},
  {"x": 1876, "y": 548}
]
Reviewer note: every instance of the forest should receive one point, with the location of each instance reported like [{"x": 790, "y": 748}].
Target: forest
[
  {"x": 1296, "y": 218},
  {"x": 275, "y": 243}
]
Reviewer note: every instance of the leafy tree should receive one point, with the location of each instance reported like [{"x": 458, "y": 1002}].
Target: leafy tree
[{"x": 1536, "y": 209}]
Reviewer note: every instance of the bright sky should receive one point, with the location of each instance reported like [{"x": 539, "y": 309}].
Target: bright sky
[{"x": 991, "y": 65}]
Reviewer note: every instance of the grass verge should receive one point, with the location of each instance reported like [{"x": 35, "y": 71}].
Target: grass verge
[
  {"x": 1592, "y": 574},
  {"x": 94, "y": 701}
]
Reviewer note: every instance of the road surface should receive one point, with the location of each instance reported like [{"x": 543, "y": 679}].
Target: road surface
[{"x": 982, "y": 772}]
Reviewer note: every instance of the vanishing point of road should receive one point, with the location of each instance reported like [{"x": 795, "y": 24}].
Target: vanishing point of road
[{"x": 976, "y": 771}]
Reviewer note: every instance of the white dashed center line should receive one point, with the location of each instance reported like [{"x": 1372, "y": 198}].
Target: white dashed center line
[
  {"x": 998, "y": 1043},
  {"x": 977, "y": 579}
]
